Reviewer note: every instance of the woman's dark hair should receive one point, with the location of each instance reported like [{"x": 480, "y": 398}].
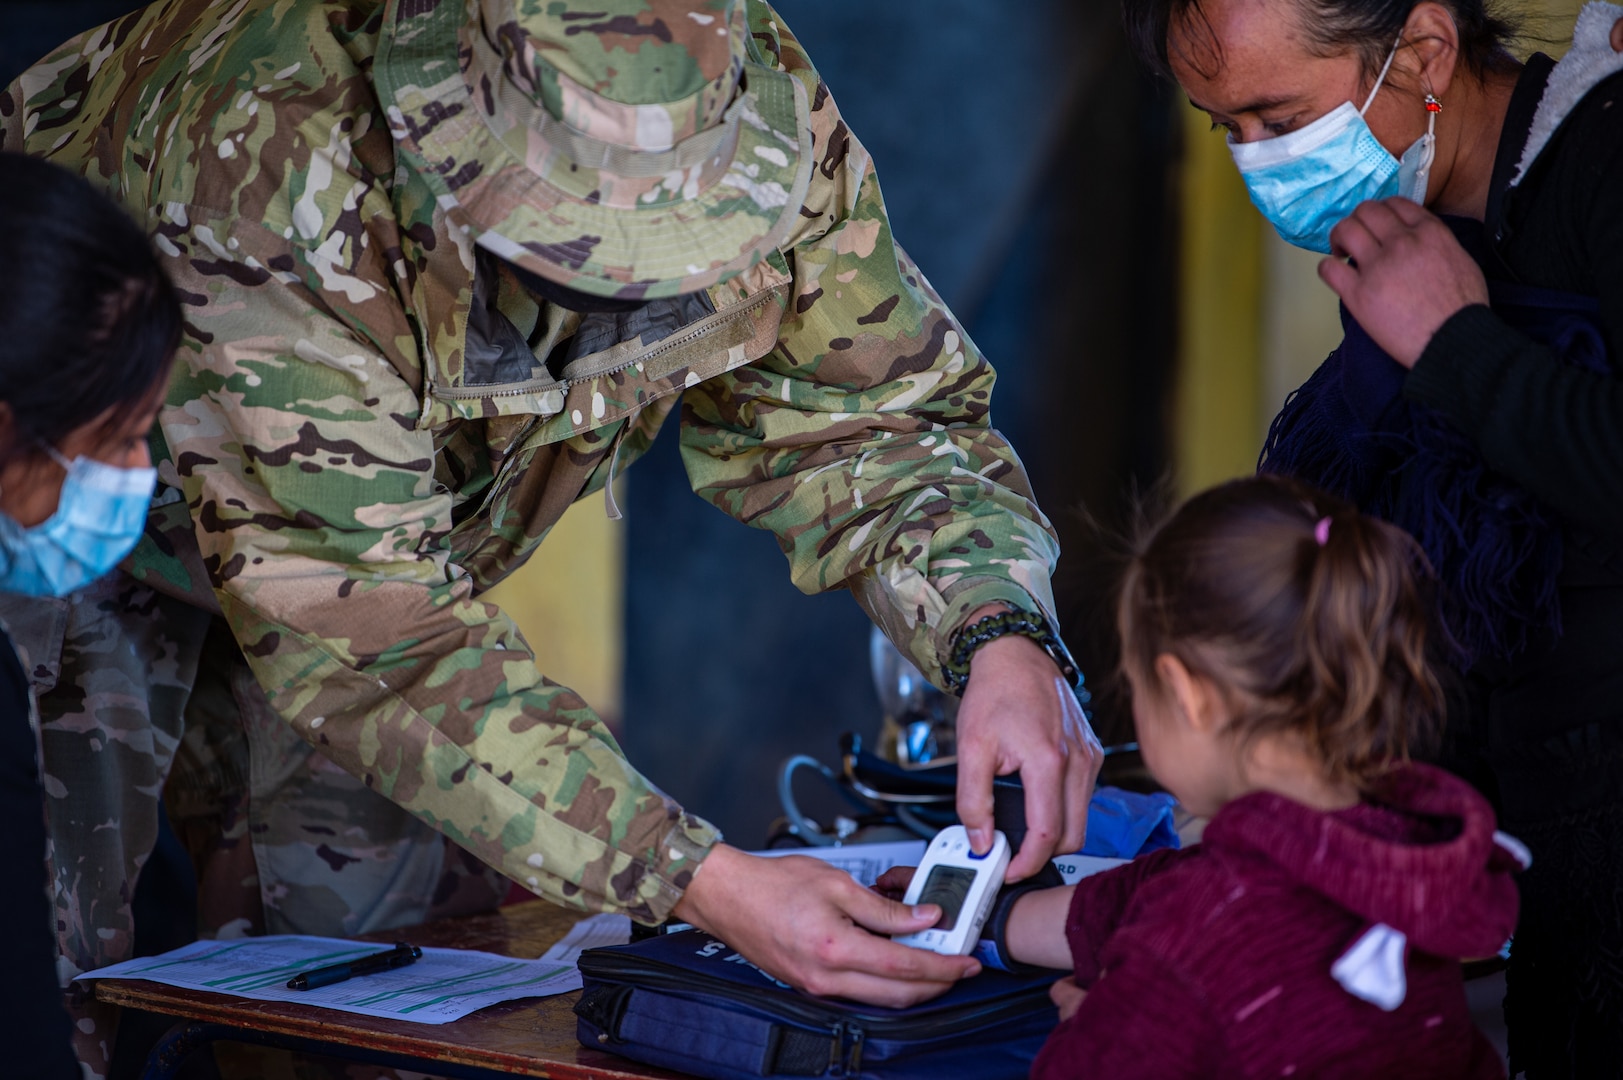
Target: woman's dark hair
[
  {"x": 1367, "y": 27},
  {"x": 1323, "y": 641},
  {"x": 88, "y": 320}
]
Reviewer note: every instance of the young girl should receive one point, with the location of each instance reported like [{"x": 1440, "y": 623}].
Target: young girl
[{"x": 1274, "y": 640}]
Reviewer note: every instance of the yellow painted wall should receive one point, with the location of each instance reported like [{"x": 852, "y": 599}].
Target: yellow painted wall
[
  {"x": 568, "y": 603},
  {"x": 1216, "y": 411},
  {"x": 1554, "y": 20}
]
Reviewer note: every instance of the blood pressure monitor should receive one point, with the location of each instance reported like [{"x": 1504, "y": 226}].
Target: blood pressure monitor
[{"x": 963, "y": 884}]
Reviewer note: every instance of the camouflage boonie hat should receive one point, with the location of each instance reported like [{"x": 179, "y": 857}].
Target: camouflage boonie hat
[{"x": 625, "y": 148}]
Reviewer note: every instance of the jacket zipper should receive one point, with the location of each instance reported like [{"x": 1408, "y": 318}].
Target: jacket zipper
[{"x": 698, "y": 330}]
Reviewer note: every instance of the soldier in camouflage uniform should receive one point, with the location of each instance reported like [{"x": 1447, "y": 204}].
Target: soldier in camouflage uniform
[{"x": 448, "y": 266}]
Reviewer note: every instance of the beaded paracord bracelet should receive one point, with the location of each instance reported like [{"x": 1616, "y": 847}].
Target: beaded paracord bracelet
[{"x": 1026, "y": 624}]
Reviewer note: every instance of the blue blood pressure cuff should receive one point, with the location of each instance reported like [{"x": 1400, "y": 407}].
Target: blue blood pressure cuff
[
  {"x": 1126, "y": 824},
  {"x": 993, "y": 950}
]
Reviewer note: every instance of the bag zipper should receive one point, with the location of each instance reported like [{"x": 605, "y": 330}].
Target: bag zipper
[
  {"x": 697, "y": 330},
  {"x": 853, "y": 1059}
]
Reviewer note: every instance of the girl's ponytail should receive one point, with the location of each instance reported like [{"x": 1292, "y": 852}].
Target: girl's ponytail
[
  {"x": 1370, "y": 686},
  {"x": 1313, "y": 617}
]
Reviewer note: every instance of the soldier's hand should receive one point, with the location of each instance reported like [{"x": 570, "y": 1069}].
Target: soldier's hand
[
  {"x": 808, "y": 924},
  {"x": 1018, "y": 715}
]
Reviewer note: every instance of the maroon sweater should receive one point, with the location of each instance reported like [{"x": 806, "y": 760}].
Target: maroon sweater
[{"x": 1216, "y": 961}]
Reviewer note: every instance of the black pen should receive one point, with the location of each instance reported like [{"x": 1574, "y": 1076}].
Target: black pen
[{"x": 399, "y": 956}]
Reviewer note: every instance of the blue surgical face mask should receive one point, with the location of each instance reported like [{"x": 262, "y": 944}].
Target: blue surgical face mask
[
  {"x": 99, "y": 517},
  {"x": 1305, "y": 182}
]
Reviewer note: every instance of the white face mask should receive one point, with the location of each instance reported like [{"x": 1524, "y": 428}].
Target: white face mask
[{"x": 1307, "y": 181}]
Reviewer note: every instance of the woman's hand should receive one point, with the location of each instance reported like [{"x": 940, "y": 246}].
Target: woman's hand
[{"x": 1408, "y": 275}]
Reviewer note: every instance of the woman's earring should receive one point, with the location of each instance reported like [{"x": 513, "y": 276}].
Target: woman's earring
[{"x": 1428, "y": 152}]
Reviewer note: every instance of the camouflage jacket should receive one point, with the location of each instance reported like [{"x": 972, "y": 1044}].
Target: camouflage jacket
[{"x": 372, "y": 423}]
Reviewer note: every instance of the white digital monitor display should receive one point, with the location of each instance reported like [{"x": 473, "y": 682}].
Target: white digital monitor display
[{"x": 947, "y": 886}]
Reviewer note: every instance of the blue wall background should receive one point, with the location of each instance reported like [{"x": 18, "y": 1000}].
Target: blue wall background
[{"x": 1026, "y": 164}]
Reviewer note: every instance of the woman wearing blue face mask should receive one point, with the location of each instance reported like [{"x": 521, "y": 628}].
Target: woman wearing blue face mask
[
  {"x": 1472, "y": 209},
  {"x": 88, "y": 325}
]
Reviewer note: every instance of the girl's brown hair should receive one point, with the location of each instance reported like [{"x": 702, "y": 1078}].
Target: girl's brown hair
[{"x": 1326, "y": 641}]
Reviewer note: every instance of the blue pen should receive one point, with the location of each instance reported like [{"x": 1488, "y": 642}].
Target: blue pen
[{"x": 399, "y": 956}]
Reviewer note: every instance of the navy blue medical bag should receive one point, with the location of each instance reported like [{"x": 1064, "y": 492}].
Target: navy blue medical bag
[{"x": 686, "y": 1001}]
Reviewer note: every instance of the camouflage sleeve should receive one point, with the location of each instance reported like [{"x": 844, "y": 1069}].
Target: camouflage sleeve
[
  {"x": 325, "y": 531},
  {"x": 863, "y": 441}
]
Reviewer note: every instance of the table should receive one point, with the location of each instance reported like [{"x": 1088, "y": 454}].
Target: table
[{"x": 533, "y": 1037}]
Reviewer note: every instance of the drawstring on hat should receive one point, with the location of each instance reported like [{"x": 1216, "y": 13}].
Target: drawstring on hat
[{"x": 611, "y": 505}]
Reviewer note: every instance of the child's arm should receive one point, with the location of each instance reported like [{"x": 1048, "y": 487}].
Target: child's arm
[
  {"x": 1064, "y": 928},
  {"x": 1036, "y": 929}
]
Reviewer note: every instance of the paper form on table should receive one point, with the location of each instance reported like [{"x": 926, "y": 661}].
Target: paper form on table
[
  {"x": 590, "y": 933},
  {"x": 445, "y": 985},
  {"x": 865, "y": 862}
]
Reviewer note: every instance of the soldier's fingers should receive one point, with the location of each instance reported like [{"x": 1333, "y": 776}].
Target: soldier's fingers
[
  {"x": 857, "y": 951},
  {"x": 877, "y": 990},
  {"x": 1079, "y": 774},
  {"x": 1082, "y": 763},
  {"x": 977, "y": 766},
  {"x": 836, "y": 952},
  {"x": 882, "y": 915},
  {"x": 1042, "y": 775}
]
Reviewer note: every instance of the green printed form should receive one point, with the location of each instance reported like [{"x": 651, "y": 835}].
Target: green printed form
[{"x": 444, "y": 985}]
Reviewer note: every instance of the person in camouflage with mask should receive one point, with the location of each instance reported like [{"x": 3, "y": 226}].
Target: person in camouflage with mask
[{"x": 447, "y": 266}]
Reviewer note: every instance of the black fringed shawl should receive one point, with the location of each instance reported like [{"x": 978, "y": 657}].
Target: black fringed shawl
[{"x": 1496, "y": 548}]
